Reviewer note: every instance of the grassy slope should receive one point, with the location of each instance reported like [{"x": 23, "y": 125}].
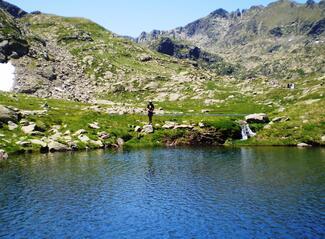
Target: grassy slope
[{"x": 73, "y": 116}]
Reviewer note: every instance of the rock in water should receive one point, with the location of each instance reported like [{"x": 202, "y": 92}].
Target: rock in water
[
  {"x": 302, "y": 145},
  {"x": 120, "y": 142},
  {"x": 57, "y": 147},
  {"x": 3, "y": 155}
]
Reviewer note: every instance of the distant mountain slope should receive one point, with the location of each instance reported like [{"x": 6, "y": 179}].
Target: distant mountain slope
[
  {"x": 275, "y": 41},
  {"x": 74, "y": 58}
]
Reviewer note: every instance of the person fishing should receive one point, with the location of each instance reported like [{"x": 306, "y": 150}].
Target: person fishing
[{"x": 150, "y": 108}]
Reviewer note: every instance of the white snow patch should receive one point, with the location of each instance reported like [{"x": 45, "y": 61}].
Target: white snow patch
[{"x": 7, "y": 76}]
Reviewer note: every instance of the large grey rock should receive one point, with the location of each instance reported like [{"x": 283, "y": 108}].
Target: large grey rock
[
  {"x": 257, "y": 118},
  {"x": 48, "y": 73},
  {"x": 7, "y": 115},
  {"x": 303, "y": 145},
  {"x": 57, "y": 147},
  {"x": 28, "y": 129},
  {"x": 138, "y": 129},
  {"x": 84, "y": 138},
  {"x": 38, "y": 142},
  {"x": 147, "y": 129}
]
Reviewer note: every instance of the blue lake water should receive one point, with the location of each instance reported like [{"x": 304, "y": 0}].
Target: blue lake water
[{"x": 165, "y": 193}]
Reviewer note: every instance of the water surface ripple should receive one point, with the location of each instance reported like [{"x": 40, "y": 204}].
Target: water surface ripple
[{"x": 165, "y": 193}]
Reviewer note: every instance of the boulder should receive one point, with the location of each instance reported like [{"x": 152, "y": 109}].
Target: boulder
[
  {"x": 55, "y": 146},
  {"x": 280, "y": 119},
  {"x": 103, "y": 135},
  {"x": 79, "y": 132},
  {"x": 257, "y": 118},
  {"x": 145, "y": 58},
  {"x": 323, "y": 138},
  {"x": 12, "y": 125},
  {"x": 23, "y": 143},
  {"x": 169, "y": 125},
  {"x": 183, "y": 126},
  {"x": 7, "y": 115},
  {"x": 3, "y": 155},
  {"x": 303, "y": 145},
  {"x": 94, "y": 125},
  {"x": 83, "y": 138},
  {"x": 147, "y": 129},
  {"x": 49, "y": 73},
  {"x": 137, "y": 129},
  {"x": 38, "y": 142},
  {"x": 28, "y": 129},
  {"x": 97, "y": 143},
  {"x": 120, "y": 142}
]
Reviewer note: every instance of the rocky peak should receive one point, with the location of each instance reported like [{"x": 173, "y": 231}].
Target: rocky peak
[
  {"x": 220, "y": 13},
  {"x": 12, "y": 9},
  {"x": 310, "y": 3}
]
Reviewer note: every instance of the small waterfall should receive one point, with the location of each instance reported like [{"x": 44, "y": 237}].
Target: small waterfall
[
  {"x": 246, "y": 131},
  {"x": 7, "y": 76}
]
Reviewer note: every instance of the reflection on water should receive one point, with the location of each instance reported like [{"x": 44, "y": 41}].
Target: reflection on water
[{"x": 165, "y": 193}]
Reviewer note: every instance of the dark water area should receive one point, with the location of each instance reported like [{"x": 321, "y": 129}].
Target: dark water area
[{"x": 165, "y": 193}]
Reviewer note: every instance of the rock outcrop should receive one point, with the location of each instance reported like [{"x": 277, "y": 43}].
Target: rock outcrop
[{"x": 7, "y": 115}]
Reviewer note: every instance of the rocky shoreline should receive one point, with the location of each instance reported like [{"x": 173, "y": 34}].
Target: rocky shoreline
[{"x": 38, "y": 137}]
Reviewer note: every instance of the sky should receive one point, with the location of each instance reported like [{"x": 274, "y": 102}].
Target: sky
[{"x": 131, "y": 17}]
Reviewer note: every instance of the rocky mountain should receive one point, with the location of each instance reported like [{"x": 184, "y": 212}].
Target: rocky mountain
[
  {"x": 74, "y": 58},
  {"x": 282, "y": 39},
  {"x": 264, "y": 59},
  {"x": 12, "y": 9}
]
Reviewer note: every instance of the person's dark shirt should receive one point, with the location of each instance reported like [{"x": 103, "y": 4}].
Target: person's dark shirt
[{"x": 150, "y": 107}]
